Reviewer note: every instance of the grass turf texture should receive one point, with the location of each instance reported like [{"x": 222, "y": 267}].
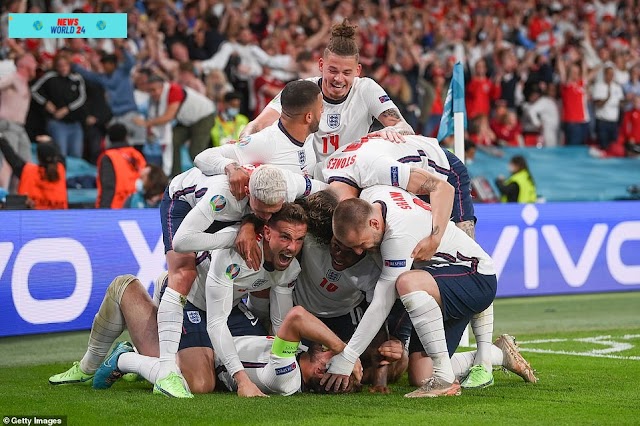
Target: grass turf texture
[{"x": 572, "y": 389}]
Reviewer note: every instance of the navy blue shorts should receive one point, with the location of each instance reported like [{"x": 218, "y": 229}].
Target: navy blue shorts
[
  {"x": 194, "y": 326},
  {"x": 458, "y": 177},
  {"x": 172, "y": 213},
  {"x": 345, "y": 325},
  {"x": 464, "y": 293},
  {"x": 398, "y": 322}
]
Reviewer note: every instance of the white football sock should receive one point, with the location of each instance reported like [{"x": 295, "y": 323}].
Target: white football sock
[
  {"x": 107, "y": 325},
  {"x": 426, "y": 317},
  {"x": 170, "y": 329},
  {"x": 146, "y": 366},
  {"x": 482, "y": 326},
  {"x": 463, "y": 361}
]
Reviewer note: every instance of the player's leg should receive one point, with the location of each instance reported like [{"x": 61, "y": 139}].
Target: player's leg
[
  {"x": 466, "y": 293},
  {"x": 464, "y": 217},
  {"x": 420, "y": 295},
  {"x": 182, "y": 273},
  {"x": 107, "y": 325}
]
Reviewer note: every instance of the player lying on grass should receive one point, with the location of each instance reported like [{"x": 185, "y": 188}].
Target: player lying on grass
[
  {"x": 276, "y": 364},
  {"x": 193, "y": 206}
]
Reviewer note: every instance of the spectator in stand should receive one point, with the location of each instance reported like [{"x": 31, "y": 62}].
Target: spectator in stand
[
  {"x": 398, "y": 89},
  {"x": 205, "y": 40},
  {"x": 481, "y": 91},
  {"x": 630, "y": 129},
  {"x": 44, "y": 183},
  {"x": 187, "y": 77},
  {"x": 217, "y": 85},
  {"x": 62, "y": 93},
  {"x": 115, "y": 78},
  {"x": 632, "y": 88},
  {"x": 15, "y": 99},
  {"x": 505, "y": 126},
  {"x": 118, "y": 169},
  {"x": 573, "y": 91},
  {"x": 607, "y": 98},
  {"x": 229, "y": 121},
  {"x": 193, "y": 112},
  {"x": 433, "y": 106},
  {"x": 96, "y": 121},
  {"x": 266, "y": 87},
  {"x": 519, "y": 187},
  {"x": 242, "y": 59},
  {"x": 149, "y": 188},
  {"x": 542, "y": 118}
]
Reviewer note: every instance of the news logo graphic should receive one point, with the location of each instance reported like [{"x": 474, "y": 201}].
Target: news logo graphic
[{"x": 68, "y": 25}]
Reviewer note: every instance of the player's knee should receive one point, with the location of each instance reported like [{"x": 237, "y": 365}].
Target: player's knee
[
  {"x": 182, "y": 280},
  {"x": 118, "y": 286},
  {"x": 296, "y": 313},
  {"x": 202, "y": 384},
  {"x": 408, "y": 282}
]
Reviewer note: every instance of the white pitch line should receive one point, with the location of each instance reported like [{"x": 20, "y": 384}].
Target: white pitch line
[{"x": 587, "y": 354}]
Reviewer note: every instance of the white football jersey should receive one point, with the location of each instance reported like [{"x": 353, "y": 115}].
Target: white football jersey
[
  {"x": 379, "y": 162},
  {"x": 196, "y": 294},
  {"x": 345, "y": 121},
  {"x": 328, "y": 293},
  {"x": 270, "y": 373},
  {"x": 228, "y": 267},
  {"x": 272, "y": 145},
  {"x": 408, "y": 220}
]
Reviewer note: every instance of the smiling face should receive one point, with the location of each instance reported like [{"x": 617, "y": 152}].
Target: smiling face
[
  {"x": 342, "y": 257},
  {"x": 338, "y": 73},
  {"x": 283, "y": 242}
]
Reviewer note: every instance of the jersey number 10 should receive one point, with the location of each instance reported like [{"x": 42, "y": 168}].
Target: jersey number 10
[{"x": 330, "y": 287}]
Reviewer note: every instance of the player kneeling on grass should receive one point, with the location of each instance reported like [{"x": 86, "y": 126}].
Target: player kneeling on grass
[{"x": 278, "y": 364}]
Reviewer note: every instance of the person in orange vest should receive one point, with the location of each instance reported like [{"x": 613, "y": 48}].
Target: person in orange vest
[
  {"x": 44, "y": 184},
  {"x": 118, "y": 169}
]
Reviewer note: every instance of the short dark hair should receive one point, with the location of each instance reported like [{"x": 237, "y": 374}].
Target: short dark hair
[
  {"x": 290, "y": 212},
  {"x": 298, "y": 96},
  {"x": 117, "y": 133},
  {"x": 110, "y": 58},
  {"x": 320, "y": 207},
  {"x": 155, "y": 79},
  {"x": 230, "y": 96},
  {"x": 158, "y": 181}
]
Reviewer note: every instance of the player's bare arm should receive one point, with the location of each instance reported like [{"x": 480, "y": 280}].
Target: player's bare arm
[
  {"x": 441, "y": 195},
  {"x": 395, "y": 126},
  {"x": 469, "y": 228}
]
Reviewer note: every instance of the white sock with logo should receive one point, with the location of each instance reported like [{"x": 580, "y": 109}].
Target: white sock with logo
[
  {"x": 426, "y": 316},
  {"x": 170, "y": 329},
  {"x": 482, "y": 326}
]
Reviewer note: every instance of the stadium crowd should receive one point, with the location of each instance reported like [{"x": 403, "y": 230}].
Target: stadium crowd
[{"x": 538, "y": 73}]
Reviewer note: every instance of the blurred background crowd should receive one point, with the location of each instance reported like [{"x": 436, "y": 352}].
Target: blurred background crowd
[{"x": 539, "y": 73}]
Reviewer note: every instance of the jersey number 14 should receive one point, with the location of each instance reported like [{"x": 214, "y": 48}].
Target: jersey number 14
[{"x": 331, "y": 139}]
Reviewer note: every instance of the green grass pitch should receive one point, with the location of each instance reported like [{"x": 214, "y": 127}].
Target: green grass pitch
[{"x": 586, "y": 350}]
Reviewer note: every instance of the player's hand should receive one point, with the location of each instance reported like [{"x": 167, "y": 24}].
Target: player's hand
[
  {"x": 389, "y": 133},
  {"x": 249, "y": 390},
  {"x": 238, "y": 182},
  {"x": 247, "y": 246},
  {"x": 358, "y": 371},
  {"x": 426, "y": 248},
  {"x": 335, "y": 382},
  {"x": 391, "y": 351}
]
